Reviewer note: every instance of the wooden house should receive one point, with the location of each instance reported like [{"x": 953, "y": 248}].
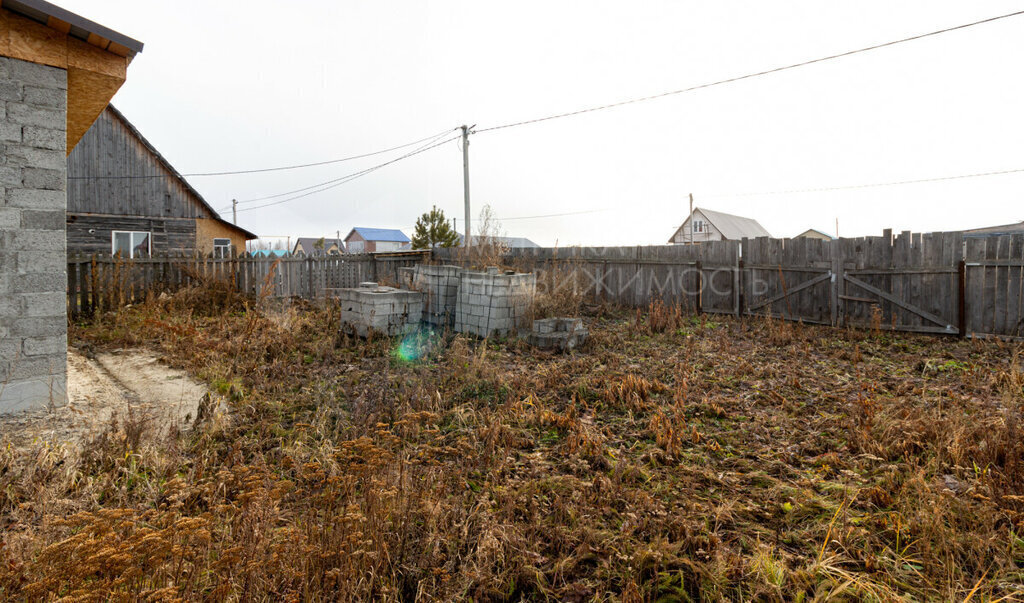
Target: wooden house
[
  {"x": 707, "y": 225},
  {"x": 124, "y": 196},
  {"x": 371, "y": 240}
]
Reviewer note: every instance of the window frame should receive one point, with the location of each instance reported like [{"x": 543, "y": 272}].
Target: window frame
[
  {"x": 131, "y": 242},
  {"x": 225, "y": 246}
]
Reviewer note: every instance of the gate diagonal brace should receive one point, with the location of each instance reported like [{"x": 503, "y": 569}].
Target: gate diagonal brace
[
  {"x": 908, "y": 307},
  {"x": 800, "y": 287}
]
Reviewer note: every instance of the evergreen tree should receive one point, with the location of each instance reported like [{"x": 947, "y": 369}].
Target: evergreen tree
[{"x": 434, "y": 230}]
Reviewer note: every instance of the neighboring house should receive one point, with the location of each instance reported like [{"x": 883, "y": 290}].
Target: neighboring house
[
  {"x": 371, "y": 240},
  {"x": 706, "y": 225},
  {"x": 123, "y": 196},
  {"x": 814, "y": 233},
  {"x": 57, "y": 72},
  {"x": 1017, "y": 228},
  {"x": 318, "y": 246},
  {"x": 508, "y": 242}
]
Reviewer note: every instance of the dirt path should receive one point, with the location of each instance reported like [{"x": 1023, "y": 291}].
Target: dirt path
[{"x": 108, "y": 385}]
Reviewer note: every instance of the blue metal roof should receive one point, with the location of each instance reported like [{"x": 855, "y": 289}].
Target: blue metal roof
[{"x": 381, "y": 234}]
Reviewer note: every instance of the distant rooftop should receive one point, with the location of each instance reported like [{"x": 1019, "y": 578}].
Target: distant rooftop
[
  {"x": 734, "y": 227},
  {"x": 380, "y": 234},
  {"x": 996, "y": 230},
  {"x": 510, "y": 242},
  {"x": 308, "y": 245}
]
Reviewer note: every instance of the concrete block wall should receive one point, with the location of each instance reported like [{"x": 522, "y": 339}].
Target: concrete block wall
[
  {"x": 381, "y": 310},
  {"x": 440, "y": 286},
  {"x": 494, "y": 304},
  {"x": 33, "y": 257}
]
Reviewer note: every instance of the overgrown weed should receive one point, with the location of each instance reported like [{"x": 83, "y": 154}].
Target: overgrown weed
[{"x": 750, "y": 459}]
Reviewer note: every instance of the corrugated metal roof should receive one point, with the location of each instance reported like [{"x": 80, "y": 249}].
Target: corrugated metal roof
[
  {"x": 381, "y": 234},
  {"x": 734, "y": 227}
]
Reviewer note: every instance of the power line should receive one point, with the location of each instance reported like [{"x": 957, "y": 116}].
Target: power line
[
  {"x": 312, "y": 186},
  {"x": 571, "y": 213},
  {"x": 350, "y": 177},
  {"x": 749, "y": 75},
  {"x": 871, "y": 185},
  {"x": 262, "y": 170}
]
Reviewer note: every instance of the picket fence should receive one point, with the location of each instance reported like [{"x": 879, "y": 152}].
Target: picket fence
[{"x": 97, "y": 283}]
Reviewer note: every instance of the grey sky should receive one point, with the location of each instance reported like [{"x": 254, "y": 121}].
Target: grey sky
[{"x": 226, "y": 86}]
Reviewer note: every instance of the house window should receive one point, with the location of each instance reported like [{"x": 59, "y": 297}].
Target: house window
[
  {"x": 222, "y": 248},
  {"x": 130, "y": 244},
  {"x": 699, "y": 226}
]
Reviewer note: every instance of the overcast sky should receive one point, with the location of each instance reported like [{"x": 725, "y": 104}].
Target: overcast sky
[{"x": 225, "y": 86}]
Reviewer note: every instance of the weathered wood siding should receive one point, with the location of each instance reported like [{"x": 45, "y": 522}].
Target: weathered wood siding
[
  {"x": 112, "y": 148},
  {"x": 169, "y": 235}
]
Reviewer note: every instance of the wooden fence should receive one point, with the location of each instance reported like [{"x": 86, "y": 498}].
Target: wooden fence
[
  {"x": 948, "y": 283},
  {"x": 96, "y": 283}
]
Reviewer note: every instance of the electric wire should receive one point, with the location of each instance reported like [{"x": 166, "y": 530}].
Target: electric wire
[
  {"x": 860, "y": 186},
  {"x": 269, "y": 169},
  {"x": 350, "y": 177},
  {"x": 749, "y": 75},
  {"x": 570, "y": 213},
  {"x": 306, "y": 188}
]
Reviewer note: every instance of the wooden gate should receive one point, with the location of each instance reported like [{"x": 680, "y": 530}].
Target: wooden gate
[
  {"x": 790, "y": 279},
  {"x": 994, "y": 274},
  {"x": 910, "y": 283}
]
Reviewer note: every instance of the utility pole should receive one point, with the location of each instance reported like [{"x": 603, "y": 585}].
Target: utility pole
[
  {"x": 465, "y": 177},
  {"x": 234, "y": 211},
  {"x": 690, "y": 219}
]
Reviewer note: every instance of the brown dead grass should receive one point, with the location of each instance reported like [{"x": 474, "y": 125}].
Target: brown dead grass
[{"x": 716, "y": 459}]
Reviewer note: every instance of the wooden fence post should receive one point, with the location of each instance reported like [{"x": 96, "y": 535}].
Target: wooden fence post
[
  {"x": 961, "y": 312},
  {"x": 737, "y": 283},
  {"x": 699, "y": 268}
]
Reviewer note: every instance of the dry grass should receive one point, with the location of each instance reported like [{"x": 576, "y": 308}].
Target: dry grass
[{"x": 710, "y": 459}]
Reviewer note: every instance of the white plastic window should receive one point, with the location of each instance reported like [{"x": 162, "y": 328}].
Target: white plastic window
[{"x": 130, "y": 244}]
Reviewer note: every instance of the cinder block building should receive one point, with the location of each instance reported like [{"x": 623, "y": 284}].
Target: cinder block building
[{"x": 57, "y": 73}]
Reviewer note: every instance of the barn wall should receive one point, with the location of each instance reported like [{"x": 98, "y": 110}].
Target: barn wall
[
  {"x": 109, "y": 151},
  {"x": 33, "y": 278},
  {"x": 91, "y": 234}
]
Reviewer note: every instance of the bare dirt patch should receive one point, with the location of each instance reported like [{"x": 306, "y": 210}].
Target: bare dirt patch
[{"x": 105, "y": 386}]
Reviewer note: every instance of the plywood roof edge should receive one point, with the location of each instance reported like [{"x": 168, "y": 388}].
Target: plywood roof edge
[{"x": 41, "y": 12}]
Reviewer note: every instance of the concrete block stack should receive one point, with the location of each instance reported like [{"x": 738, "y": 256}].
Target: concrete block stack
[
  {"x": 374, "y": 309},
  {"x": 440, "y": 286},
  {"x": 494, "y": 303},
  {"x": 558, "y": 333}
]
